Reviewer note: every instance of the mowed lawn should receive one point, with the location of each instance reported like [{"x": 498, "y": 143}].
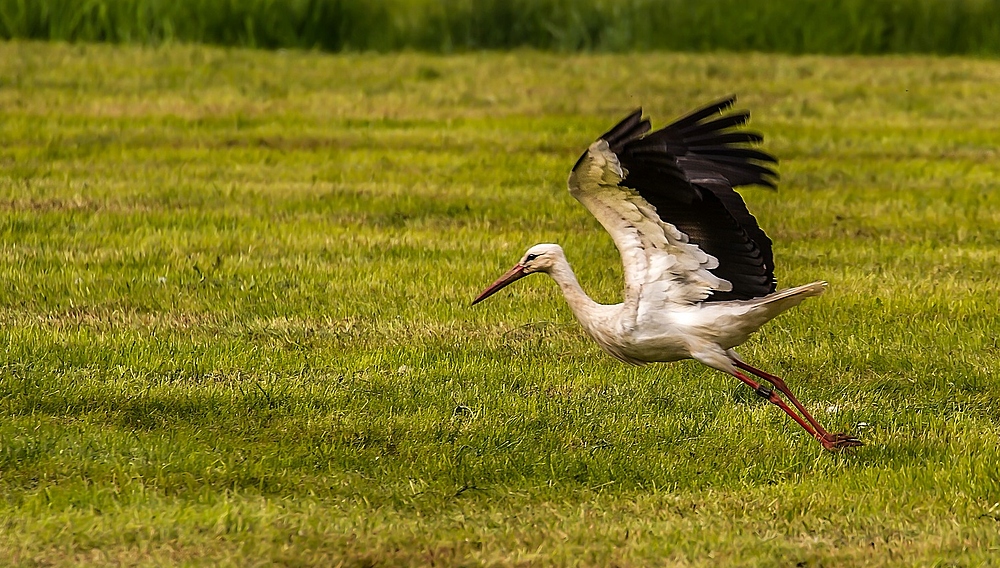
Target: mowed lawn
[{"x": 235, "y": 321}]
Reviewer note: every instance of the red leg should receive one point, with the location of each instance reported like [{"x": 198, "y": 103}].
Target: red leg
[
  {"x": 830, "y": 441},
  {"x": 775, "y": 399},
  {"x": 783, "y": 388}
]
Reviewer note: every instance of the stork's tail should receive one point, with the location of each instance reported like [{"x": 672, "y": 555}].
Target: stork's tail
[
  {"x": 741, "y": 318},
  {"x": 773, "y": 304}
]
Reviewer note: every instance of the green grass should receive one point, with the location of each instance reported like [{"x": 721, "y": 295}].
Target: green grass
[
  {"x": 789, "y": 26},
  {"x": 236, "y": 330}
]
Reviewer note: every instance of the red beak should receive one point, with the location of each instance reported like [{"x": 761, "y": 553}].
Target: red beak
[{"x": 511, "y": 275}]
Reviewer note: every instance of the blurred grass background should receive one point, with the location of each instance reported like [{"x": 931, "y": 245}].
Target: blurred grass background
[
  {"x": 788, "y": 26},
  {"x": 235, "y": 319}
]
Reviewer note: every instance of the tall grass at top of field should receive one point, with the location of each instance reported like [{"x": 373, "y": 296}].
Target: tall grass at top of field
[{"x": 792, "y": 26}]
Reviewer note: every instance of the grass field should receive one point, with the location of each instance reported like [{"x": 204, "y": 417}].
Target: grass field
[{"x": 236, "y": 330}]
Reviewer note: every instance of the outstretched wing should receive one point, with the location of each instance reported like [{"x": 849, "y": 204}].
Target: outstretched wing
[{"x": 667, "y": 198}]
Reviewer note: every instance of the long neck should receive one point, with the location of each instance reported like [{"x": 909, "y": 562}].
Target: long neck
[{"x": 583, "y": 307}]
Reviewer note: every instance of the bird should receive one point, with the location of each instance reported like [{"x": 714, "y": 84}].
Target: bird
[{"x": 698, "y": 269}]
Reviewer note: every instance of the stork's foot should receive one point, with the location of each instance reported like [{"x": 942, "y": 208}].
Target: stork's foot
[{"x": 839, "y": 441}]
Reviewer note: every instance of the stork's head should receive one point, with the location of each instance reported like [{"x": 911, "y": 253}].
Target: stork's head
[{"x": 539, "y": 258}]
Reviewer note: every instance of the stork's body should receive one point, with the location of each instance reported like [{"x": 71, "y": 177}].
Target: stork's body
[
  {"x": 702, "y": 331},
  {"x": 699, "y": 275}
]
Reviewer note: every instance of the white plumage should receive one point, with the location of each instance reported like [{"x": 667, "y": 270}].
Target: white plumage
[{"x": 699, "y": 275}]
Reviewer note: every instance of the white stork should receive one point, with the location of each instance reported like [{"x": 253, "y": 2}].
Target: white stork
[{"x": 699, "y": 273}]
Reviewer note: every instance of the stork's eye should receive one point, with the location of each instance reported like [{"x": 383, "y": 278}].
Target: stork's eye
[{"x": 530, "y": 257}]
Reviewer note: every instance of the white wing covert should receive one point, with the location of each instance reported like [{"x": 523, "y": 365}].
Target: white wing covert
[{"x": 659, "y": 261}]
